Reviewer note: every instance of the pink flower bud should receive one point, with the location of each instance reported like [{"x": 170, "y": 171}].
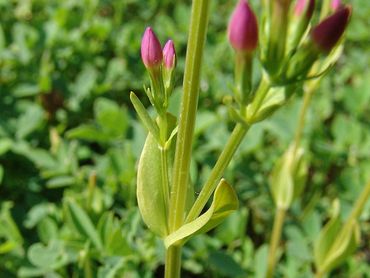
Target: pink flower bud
[
  {"x": 151, "y": 50},
  {"x": 327, "y": 33},
  {"x": 169, "y": 55},
  {"x": 243, "y": 28},
  {"x": 304, "y": 6},
  {"x": 335, "y": 4}
]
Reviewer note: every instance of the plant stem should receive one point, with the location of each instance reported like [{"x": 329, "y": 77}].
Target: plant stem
[
  {"x": 196, "y": 41},
  {"x": 301, "y": 120},
  {"x": 165, "y": 181},
  {"x": 173, "y": 262},
  {"x": 223, "y": 161},
  {"x": 319, "y": 275},
  {"x": 198, "y": 26},
  {"x": 163, "y": 128},
  {"x": 275, "y": 240},
  {"x": 359, "y": 205}
]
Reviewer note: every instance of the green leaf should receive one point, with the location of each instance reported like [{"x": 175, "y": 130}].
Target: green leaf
[
  {"x": 335, "y": 242},
  {"x": 45, "y": 256},
  {"x": 111, "y": 118},
  {"x": 149, "y": 188},
  {"x": 224, "y": 202},
  {"x": 87, "y": 132},
  {"x": 327, "y": 236},
  {"x": 5, "y": 145},
  {"x": 29, "y": 121},
  {"x": 147, "y": 121},
  {"x": 225, "y": 264},
  {"x": 81, "y": 221},
  {"x": 61, "y": 181}
]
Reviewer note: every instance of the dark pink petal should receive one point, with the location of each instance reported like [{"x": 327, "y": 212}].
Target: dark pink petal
[
  {"x": 243, "y": 28},
  {"x": 151, "y": 50},
  {"x": 327, "y": 33},
  {"x": 169, "y": 55}
]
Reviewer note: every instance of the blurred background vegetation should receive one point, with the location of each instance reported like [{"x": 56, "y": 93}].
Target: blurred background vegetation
[{"x": 69, "y": 142}]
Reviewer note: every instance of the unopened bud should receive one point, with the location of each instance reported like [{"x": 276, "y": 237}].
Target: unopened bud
[
  {"x": 327, "y": 33},
  {"x": 169, "y": 64},
  {"x": 243, "y": 28},
  {"x": 169, "y": 55},
  {"x": 151, "y": 50}
]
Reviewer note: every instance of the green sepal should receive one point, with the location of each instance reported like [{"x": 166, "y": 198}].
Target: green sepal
[
  {"x": 336, "y": 242},
  {"x": 224, "y": 202},
  {"x": 288, "y": 177},
  {"x": 145, "y": 118}
]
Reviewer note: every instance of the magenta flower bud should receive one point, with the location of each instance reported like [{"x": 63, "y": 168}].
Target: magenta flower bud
[
  {"x": 304, "y": 6},
  {"x": 243, "y": 28},
  {"x": 151, "y": 50},
  {"x": 169, "y": 55},
  {"x": 335, "y": 4},
  {"x": 327, "y": 33}
]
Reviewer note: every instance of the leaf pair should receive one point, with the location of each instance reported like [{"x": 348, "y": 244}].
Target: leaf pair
[{"x": 152, "y": 205}]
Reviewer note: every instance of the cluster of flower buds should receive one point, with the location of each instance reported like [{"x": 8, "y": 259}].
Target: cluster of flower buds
[
  {"x": 289, "y": 45},
  {"x": 160, "y": 63}
]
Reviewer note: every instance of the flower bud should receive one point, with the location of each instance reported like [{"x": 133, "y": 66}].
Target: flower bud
[
  {"x": 335, "y": 4},
  {"x": 243, "y": 28},
  {"x": 303, "y": 12},
  {"x": 169, "y": 55},
  {"x": 169, "y": 64},
  {"x": 151, "y": 50},
  {"x": 327, "y": 33},
  {"x": 304, "y": 6}
]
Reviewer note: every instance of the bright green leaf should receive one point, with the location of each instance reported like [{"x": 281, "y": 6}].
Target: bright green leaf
[
  {"x": 224, "y": 202},
  {"x": 81, "y": 221}
]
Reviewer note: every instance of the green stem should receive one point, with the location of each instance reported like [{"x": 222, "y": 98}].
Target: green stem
[
  {"x": 319, "y": 275},
  {"x": 198, "y": 27},
  {"x": 359, "y": 205},
  {"x": 301, "y": 120},
  {"x": 223, "y": 161},
  {"x": 165, "y": 180},
  {"x": 173, "y": 262},
  {"x": 243, "y": 76},
  {"x": 196, "y": 41},
  {"x": 275, "y": 240}
]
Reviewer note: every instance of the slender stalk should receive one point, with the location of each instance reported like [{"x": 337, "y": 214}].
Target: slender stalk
[
  {"x": 173, "y": 262},
  {"x": 275, "y": 240},
  {"x": 196, "y": 40},
  {"x": 163, "y": 127},
  {"x": 198, "y": 27},
  {"x": 165, "y": 181},
  {"x": 359, "y": 205},
  {"x": 319, "y": 274},
  {"x": 301, "y": 120},
  {"x": 223, "y": 161}
]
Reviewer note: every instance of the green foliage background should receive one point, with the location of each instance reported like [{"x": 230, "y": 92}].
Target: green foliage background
[{"x": 69, "y": 142}]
